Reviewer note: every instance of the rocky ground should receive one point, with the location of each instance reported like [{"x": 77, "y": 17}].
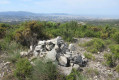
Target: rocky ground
[
  {"x": 94, "y": 70},
  {"x": 5, "y": 66}
]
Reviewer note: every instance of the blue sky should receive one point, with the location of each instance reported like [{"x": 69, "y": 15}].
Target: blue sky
[{"x": 81, "y": 7}]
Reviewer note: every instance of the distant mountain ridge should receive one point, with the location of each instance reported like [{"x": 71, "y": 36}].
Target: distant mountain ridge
[
  {"x": 23, "y": 13},
  {"x": 20, "y": 16}
]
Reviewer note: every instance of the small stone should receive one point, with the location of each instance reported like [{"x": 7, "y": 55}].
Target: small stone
[
  {"x": 76, "y": 66},
  {"x": 23, "y": 53},
  {"x": 41, "y": 43}
]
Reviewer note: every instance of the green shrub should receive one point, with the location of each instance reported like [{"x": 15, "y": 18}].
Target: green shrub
[
  {"x": 117, "y": 68},
  {"x": 109, "y": 59},
  {"x": 46, "y": 71},
  {"x": 115, "y": 51},
  {"x": 104, "y": 35},
  {"x": 3, "y": 28},
  {"x": 23, "y": 69},
  {"x": 116, "y": 37},
  {"x": 75, "y": 75},
  {"x": 89, "y": 56},
  {"x": 108, "y": 41},
  {"x": 12, "y": 49},
  {"x": 95, "y": 45},
  {"x": 28, "y": 33}
]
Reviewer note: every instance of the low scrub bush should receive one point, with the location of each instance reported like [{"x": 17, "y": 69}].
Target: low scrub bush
[
  {"x": 75, "y": 75},
  {"x": 115, "y": 50},
  {"x": 116, "y": 37},
  {"x": 89, "y": 56},
  {"x": 12, "y": 49},
  {"x": 110, "y": 61},
  {"x": 46, "y": 71},
  {"x": 28, "y": 33},
  {"x": 3, "y": 28},
  {"x": 23, "y": 69},
  {"x": 108, "y": 42},
  {"x": 104, "y": 35},
  {"x": 95, "y": 45},
  {"x": 117, "y": 68}
]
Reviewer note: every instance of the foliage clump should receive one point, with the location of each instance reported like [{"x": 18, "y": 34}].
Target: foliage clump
[
  {"x": 29, "y": 32},
  {"x": 23, "y": 69},
  {"x": 116, "y": 37},
  {"x": 95, "y": 45},
  {"x": 89, "y": 56},
  {"x": 3, "y": 28},
  {"x": 115, "y": 50},
  {"x": 117, "y": 68},
  {"x": 110, "y": 61},
  {"x": 46, "y": 71},
  {"x": 75, "y": 75}
]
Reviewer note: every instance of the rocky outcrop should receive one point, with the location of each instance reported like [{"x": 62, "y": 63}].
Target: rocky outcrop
[{"x": 58, "y": 51}]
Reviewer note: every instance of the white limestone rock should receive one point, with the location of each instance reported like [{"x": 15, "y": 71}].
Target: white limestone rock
[
  {"x": 63, "y": 60},
  {"x": 42, "y": 42},
  {"x": 71, "y": 47},
  {"x": 24, "y": 53},
  {"x": 49, "y": 46},
  {"x": 51, "y": 55},
  {"x": 65, "y": 70}
]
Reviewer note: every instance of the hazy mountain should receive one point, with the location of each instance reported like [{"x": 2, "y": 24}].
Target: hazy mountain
[
  {"x": 16, "y": 16},
  {"x": 16, "y": 13}
]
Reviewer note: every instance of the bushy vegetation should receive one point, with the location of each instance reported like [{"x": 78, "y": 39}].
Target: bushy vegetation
[
  {"x": 116, "y": 37},
  {"x": 46, "y": 71},
  {"x": 110, "y": 61},
  {"x": 115, "y": 51},
  {"x": 95, "y": 45},
  {"x": 75, "y": 75},
  {"x": 16, "y": 38},
  {"x": 89, "y": 56},
  {"x": 117, "y": 68},
  {"x": 27, "y": 33},
  {"x": 23, "y": 69},
  {"x": 3, "y": 28}
]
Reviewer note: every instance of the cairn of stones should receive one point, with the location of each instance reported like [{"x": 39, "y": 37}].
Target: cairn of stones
[{"x": 58, "y": 51}]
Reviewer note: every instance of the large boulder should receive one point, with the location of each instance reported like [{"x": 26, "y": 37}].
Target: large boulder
[
  {"x": 62, "y": 61},
  {"x": 51, "y": 55}
]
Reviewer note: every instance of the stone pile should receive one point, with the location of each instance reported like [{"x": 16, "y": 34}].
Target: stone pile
[{"x": 58, "y": 51}]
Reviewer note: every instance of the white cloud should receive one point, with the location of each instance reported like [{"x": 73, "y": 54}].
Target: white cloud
[{"x": 4, "y": 2}]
